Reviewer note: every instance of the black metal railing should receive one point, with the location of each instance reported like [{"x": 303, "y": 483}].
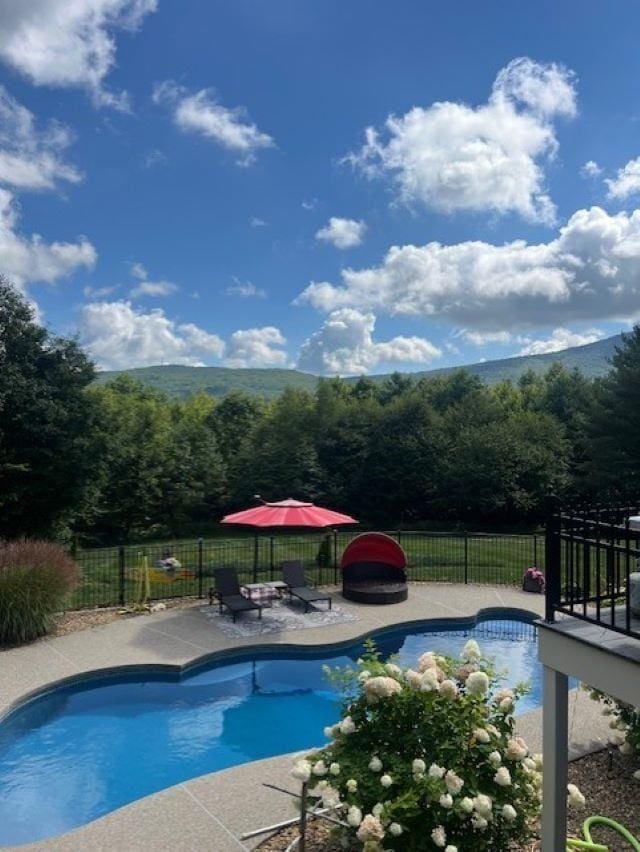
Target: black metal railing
[
  {"x": 115, "y": 576},
  {"x": 591, "y": 554}
]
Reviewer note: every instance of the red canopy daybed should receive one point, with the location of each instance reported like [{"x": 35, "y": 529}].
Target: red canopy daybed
[{"x": 373, "y": 570}]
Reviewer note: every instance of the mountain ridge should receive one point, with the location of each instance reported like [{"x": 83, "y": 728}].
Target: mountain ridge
[{"x": 181, "y": 381}]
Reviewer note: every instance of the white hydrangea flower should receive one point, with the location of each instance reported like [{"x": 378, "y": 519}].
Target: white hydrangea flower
[
  {"x": 395, "y": 829},
  {"x": 354, "y": 816},
  {"x": 516, "y": 749},
  {"x": 451, "y": 848},
  {"x": 427, "y": 661},
  {"x": 370, "y": 829},
  {"x": 418, "y": 766},
  {"x": 320, "y": 768},
  {"x": 330, "y": 731},
  {"x": 479, "y": 822},
  {"x": 352, "y": 785},
  {"x": 478, "y": 683},
  {"x": 301, "y": 770},
  {"x": 503, "y": 777},
  {"x": 471, "y": 652},
  {"x": 495, "y": 759},
  {"x": 493, "y": 730},
  {"x": 509, "y": 813},
  {"x": 439, "y": 836},
  {"x": 616, "y": 738},
  {"x": 364, "y": 675},
  {"x": 636, "y": 774},
  {"x": 466, "y": 804},
  {"x": 330, "y": 797},
  {"x": 446, "y": 801},
  {"x": 483, "y": 805},
  {"x": 393, "y": 670},
  {"x": 481, "y": 736},
  {"x": 375, "y": 764},
  {"x": 334, "y": 769},
  {"x": 414, "y": 679},
  {"x": 436, "y": 771},
  {"x": 575, "y": 799},
  {"x": 529, "y": 763},
  {"x": 429, "y": 681},
  {"x": 626, "y": 748},
  {"x": 454, "y": 782},
  {"x": 386, "y": 781},
  {"x": 347, "y": 726},
  {"x": 378, "y": 809},
  {"x": 377, "y": 688},
  {"x": 449, "y": 689}
]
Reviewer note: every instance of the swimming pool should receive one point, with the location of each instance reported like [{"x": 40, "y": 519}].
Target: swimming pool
[{"x": 82, "y": 750}]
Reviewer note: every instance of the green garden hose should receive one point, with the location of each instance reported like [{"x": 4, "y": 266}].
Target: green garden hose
[{"x": 589, "y": 845}]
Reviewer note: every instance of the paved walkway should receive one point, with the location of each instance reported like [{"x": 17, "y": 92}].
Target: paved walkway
[{"x": 211, "y": 812}]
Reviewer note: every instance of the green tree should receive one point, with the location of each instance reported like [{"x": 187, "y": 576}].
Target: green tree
[
  {"x": 47, "y": 424},
  {"x": 613, "y": 467}
]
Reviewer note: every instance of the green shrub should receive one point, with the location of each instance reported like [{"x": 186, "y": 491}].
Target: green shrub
[
  {"x": 35, "y": 577},
  {"x": 427, "y": 759}
]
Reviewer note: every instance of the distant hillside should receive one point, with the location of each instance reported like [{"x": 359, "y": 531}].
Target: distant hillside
[{"x": 593, "y": 359}]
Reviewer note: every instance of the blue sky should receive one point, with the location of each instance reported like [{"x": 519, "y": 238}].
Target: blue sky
[{"x": 203, "y": 189}]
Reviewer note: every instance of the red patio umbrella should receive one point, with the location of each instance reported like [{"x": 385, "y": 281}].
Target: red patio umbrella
[{"x": 286, "y": 513}]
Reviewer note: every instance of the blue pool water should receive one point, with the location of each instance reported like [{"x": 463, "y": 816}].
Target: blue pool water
[{"x": 81, "y": 751}]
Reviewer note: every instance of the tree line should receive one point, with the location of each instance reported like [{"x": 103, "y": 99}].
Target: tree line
[{"x": 122, "y": 461}]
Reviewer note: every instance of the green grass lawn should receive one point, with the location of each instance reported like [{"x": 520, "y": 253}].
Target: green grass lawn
[{"x": 431, "y": 556}]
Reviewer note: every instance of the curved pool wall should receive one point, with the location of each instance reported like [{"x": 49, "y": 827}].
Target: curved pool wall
[{"x": 81, "y": 749}]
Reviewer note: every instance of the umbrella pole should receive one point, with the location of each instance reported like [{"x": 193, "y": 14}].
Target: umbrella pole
[{"x": 255, "y": 557}]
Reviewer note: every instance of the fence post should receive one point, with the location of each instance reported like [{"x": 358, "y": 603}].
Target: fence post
[
  {"x": 335, "y": 557},
  {"x": 121, "y": 575},
  {"x": 466, "y": 557},
  {"x": 535, "y": 550},
  {"x": 255, "y": 558},
  {"x": 200, "y": 568},
  {"x": 271, "y": 562},
  {"x": 552, "y": 562}
]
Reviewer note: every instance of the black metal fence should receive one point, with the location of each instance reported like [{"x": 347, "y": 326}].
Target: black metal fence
[
  {"x": 115, "y": 576},
  {"x": 590, "y": 555}
]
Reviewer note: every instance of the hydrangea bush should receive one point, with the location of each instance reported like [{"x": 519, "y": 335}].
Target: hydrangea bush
[
  {"x": 427, "y": 758},
  {"x": 624, "y": 722}
]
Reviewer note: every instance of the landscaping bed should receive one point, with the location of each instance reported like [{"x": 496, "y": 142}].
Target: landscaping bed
[{"x": 606, "y": 782}]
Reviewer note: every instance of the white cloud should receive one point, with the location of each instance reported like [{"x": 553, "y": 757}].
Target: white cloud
[
  {"x": 450, "y": 156},
  {"x": 257, "y": 222},
  {"x": 590, "y": 169},
  {"x": 153, "y": 158},
  {"x": 138, "y": 270},
  {"x": 309, "y": 203},
  {"x": 201, "y": 113},
  {"x": 626, "y": 181},
  {"x": 345, "y": 345},
  {"x": 591, "y": 270},
  {"x": 342, "y": 233},
  {"x": 118, "y": 336},
  {"x": 560, "y": 339},
  {"x": 245, "y": 289},
  {"x": 68, "y": 43},
  {"x": 256, "y": 347},
  {"x": 483, "y": 338},
  {"x": 98, "y": 292},
  {"x": 153, "y": 288},
  {"x": 31, "y": 158},
  {"x": 28, "y": 259}
]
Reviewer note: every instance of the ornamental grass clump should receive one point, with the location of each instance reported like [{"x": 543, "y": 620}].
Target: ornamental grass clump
[
  {"x": 427, "y": 758},
  {"x": 35, "y": 578}
]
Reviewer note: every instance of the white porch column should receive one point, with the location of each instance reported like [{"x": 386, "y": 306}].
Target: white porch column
[{"x": 555, "y": 760}]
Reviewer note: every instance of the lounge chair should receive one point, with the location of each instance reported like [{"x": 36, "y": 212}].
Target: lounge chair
[
  {"x": 293, "y": 575},
  {"x": 227, "y": 590}
]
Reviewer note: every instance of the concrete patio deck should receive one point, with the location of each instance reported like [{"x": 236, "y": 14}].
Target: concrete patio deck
[{"x": 213, "y": 811}]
